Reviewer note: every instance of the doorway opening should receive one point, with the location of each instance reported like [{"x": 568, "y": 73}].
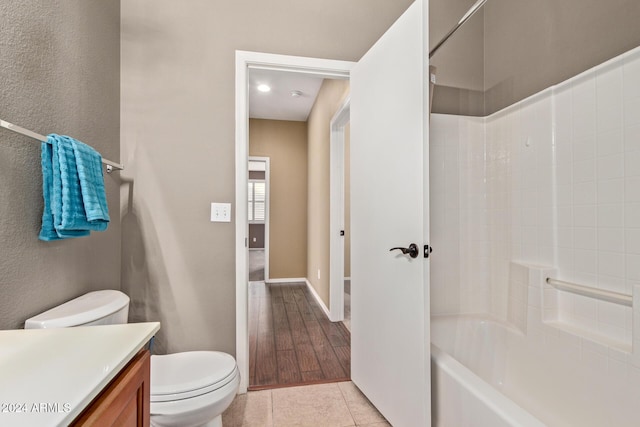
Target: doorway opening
[
  {"x": 258, "y": 217},
  {"x": 291, "y": 289},
  {"x": 389, "y": 180},
  {"x": 292, "y": 341},
  {"x": 340, "y": 234}
]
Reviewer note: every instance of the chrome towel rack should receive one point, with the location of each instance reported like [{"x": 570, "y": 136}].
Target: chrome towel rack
[
  {"x": 588, "y": 291},
  {"x": 15, "y": 128}
]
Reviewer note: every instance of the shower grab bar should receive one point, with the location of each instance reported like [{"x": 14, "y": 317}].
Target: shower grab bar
[
  {"x": 15, "y": 128},
  {"x": 588, "y": 291}
]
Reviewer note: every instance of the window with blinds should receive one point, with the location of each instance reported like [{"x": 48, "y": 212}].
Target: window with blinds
[{"x": 257, "y": 201}]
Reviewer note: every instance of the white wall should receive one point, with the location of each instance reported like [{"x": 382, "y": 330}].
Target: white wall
[{"x": 551, "y": 181}]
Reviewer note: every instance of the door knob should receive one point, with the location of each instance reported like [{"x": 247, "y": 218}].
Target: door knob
[{"x": 412, "y": 250}]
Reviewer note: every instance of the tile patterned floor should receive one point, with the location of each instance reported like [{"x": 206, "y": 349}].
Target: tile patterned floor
[{"x": 322, "y": 405}]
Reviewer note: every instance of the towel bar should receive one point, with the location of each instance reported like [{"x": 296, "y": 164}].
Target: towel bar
[{"x": 15, "y": 128}]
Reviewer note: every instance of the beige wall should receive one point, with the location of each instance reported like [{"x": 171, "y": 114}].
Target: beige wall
[
  {"x": 59, "y": 68},
  {"x": 332, "y": 94},
  {"x": 178, "y": 139},
  {"x": 513, "y": 49},
  {"x": 285, "y": 143},
  {"x": 530, "y": 46},
  {"x": 460, "y": 62}
]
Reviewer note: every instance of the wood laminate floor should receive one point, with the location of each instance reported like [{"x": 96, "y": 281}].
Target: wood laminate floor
[
  {"x": 256, "y": 265},
  {"x": 291, "y": 340}
]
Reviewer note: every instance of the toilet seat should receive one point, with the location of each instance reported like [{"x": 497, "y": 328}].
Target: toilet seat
[
  {"x": 190, "y": 374},
  {"x": 195, "y": 411}
]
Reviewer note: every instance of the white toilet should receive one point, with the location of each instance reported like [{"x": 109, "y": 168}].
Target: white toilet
[{"x": 188, "y": 389}]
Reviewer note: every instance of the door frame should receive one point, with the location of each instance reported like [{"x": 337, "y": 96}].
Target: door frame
[
  {"x": 267, "y": 218},
  {"x": 246, "y": 60},
  {"x": 337, "y": 210}
]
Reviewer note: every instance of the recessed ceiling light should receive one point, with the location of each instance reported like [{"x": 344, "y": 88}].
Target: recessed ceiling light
[
  {"x": 264, "y": 88},
  {"x": 296, "y": 93}
]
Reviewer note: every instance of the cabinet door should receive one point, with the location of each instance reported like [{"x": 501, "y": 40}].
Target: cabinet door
[{"x": 125, "y": 402}]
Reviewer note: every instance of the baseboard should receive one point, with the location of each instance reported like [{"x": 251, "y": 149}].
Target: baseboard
[
  {"x": 311, "y": 289},
  {"x": 287, "y": 280},
  {"x": 318, "y": 299}
]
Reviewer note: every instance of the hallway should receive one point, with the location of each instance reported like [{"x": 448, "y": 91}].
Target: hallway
[{"x": 291, "y": 340}]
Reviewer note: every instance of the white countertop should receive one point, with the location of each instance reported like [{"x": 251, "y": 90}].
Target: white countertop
[{"x": 51, "y": 375}]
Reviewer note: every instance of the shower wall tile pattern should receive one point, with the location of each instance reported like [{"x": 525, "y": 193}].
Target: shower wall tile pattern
[
  {"x": 551, "y": 181},
  {"x": 460, "y": 279}
]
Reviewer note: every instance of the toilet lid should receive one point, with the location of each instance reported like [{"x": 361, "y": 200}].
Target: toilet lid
[{"x": 190, "y": 371}]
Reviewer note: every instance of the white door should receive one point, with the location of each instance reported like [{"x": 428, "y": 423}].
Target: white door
[{"x": 389, "y": 205}]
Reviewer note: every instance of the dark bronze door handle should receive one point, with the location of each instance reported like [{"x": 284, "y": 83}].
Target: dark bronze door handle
[{"x": 412, "y": 250}]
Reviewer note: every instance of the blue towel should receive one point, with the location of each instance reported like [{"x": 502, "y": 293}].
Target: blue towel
[{"x": 75, "y": 201}]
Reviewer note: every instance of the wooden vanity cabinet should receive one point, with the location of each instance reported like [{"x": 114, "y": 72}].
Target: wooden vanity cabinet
[{"x": 125, "y": 401}]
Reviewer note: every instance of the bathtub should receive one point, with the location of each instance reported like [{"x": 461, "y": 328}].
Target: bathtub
[{"x": 488, "y": 374}]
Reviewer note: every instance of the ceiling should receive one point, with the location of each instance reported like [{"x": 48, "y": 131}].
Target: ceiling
[{"x": 278, "y": 104}]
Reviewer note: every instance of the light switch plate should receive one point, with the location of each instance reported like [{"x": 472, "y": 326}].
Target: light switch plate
[{"x": 220, "y": 212}]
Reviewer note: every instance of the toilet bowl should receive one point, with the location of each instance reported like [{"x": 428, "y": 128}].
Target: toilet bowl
[{"x": 189, "y": 389}]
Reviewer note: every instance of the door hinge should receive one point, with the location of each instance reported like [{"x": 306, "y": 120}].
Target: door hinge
[{"x": 427, "y": 251}]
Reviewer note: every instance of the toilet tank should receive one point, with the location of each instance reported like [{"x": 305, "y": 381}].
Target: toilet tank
[{"x": 106, "y": 307}]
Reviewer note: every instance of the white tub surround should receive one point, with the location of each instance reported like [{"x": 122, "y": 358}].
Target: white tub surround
[
  {"x": 546, "y": 188},
  {"x": 49, "y": 376},
  {"x": 546, "y": 377},
  {"x": 553, "y": 180},
  {"x": 483, "y": 405}
]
